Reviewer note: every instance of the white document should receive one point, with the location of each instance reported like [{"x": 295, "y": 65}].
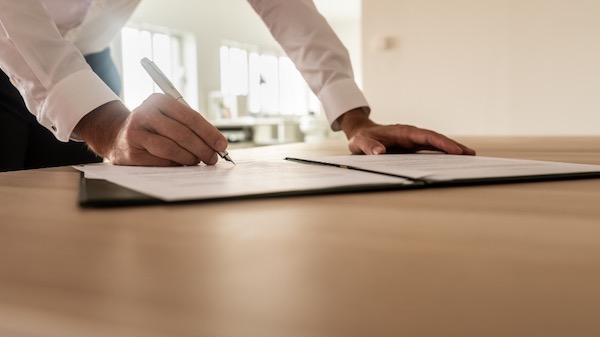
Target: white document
[
  {"x": 255, "y": 178},
  {"x": 444, "y": 167},
  {"x": 225, "y": 180}
]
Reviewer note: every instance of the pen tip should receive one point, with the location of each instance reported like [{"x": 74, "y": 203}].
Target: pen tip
[{"x": 226, "y": 157}]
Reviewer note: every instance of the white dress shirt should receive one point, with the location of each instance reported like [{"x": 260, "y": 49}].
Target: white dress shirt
[{"x": 42, "y": 43}]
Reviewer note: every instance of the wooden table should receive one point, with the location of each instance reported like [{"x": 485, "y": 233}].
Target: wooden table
[{"x": 502, "y": 260}]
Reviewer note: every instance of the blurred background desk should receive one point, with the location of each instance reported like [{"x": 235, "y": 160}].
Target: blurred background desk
[
  {"x": 260, "y": 131},
  {"x": 502, "y": 260}
]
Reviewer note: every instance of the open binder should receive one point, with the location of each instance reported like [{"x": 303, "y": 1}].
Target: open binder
[{"x": 122, "y": 186}]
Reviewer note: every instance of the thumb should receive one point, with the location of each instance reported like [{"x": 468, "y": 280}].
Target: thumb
[{"x": 366, "y": 145}]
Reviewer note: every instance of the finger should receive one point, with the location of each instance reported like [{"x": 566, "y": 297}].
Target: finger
[
  {"x": 433, "y": 140},
  {"x": 165, "y": 148},
  {"x": 467, "y": 150},
  {"x": 191, "y": 118},
  {"x": 443, "y": 143},
  {"x": 184, "y": 137},
  {"x": 139, "y": 157},
  {"x": 360, "y": 144},
  {"x": 449, "y": 145}
]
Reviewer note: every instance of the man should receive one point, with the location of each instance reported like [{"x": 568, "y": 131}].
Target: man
[{"x": 42, "y": 48}]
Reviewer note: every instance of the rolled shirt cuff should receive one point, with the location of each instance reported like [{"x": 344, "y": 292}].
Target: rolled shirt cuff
[
  {"x": 70, "y": 100},
  {"x": 340, "y": 97}
]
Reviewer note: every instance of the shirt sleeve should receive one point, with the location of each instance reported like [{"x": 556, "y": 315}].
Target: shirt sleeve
[
  {"x": 316, "y": 51},
  {"x": 51, "y": 74}
]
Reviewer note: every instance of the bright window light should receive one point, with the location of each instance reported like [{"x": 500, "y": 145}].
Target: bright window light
[
  {"x": 269, "y": 84},
  {"x": 166, "y": 50},
  {"x": 293, "y": 92},
  {"x": 272, "y": 84}
]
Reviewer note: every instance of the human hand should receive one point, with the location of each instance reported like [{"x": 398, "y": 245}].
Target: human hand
[
  {"x": 367, "y": 137},
  {"x": 160, "y": 132}
]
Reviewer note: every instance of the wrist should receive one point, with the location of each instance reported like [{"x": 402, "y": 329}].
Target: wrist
[
  {"x": 99, "y": 128},
  {"x": 354, "y": 120}
]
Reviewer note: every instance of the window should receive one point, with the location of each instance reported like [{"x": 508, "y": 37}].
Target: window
[
  {"x": 166, "y": 49},
  {"x": 271, "y": 83}
]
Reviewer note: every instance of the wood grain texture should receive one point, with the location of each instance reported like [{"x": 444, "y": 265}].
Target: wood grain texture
[{"x": 500, "y": 260}]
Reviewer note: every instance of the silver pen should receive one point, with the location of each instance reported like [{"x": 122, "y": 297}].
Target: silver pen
[{"x": 168, "y": 88}]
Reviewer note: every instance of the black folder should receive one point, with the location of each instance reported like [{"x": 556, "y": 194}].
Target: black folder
[{"x": 102, "y": 193}]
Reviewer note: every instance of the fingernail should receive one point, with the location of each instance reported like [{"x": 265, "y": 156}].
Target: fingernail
[{"x": 377, "y": 150}]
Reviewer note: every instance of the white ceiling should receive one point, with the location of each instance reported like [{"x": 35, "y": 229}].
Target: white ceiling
[{"x": 339, "y": 10}]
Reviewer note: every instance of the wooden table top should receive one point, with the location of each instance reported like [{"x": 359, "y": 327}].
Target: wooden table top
[{"x": 500, "y": 260}]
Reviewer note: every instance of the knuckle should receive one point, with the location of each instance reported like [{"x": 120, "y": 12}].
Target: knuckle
[
  {"x": 409, "y": 128},
  {"x": 146, "y": 118},
  {"x": 187, "y": 138},
  {"x": 151, "y": 101},
  {"x": 183, "y": 116},
  {"x": 155, "y": 97},
  {"x": 189, "y": 116}
]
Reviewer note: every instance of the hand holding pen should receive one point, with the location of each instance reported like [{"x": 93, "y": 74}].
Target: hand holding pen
[
  {"x": 168, "y": 88},
  {"x": 159, "y": 132}
]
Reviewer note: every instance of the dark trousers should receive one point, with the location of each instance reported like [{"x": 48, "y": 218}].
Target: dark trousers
[{"x": 25, "y": 144}]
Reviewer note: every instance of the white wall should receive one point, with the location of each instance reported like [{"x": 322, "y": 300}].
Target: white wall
[
  {"x": 234, "y": 20},
  {"x": 503, "y": 67}
]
